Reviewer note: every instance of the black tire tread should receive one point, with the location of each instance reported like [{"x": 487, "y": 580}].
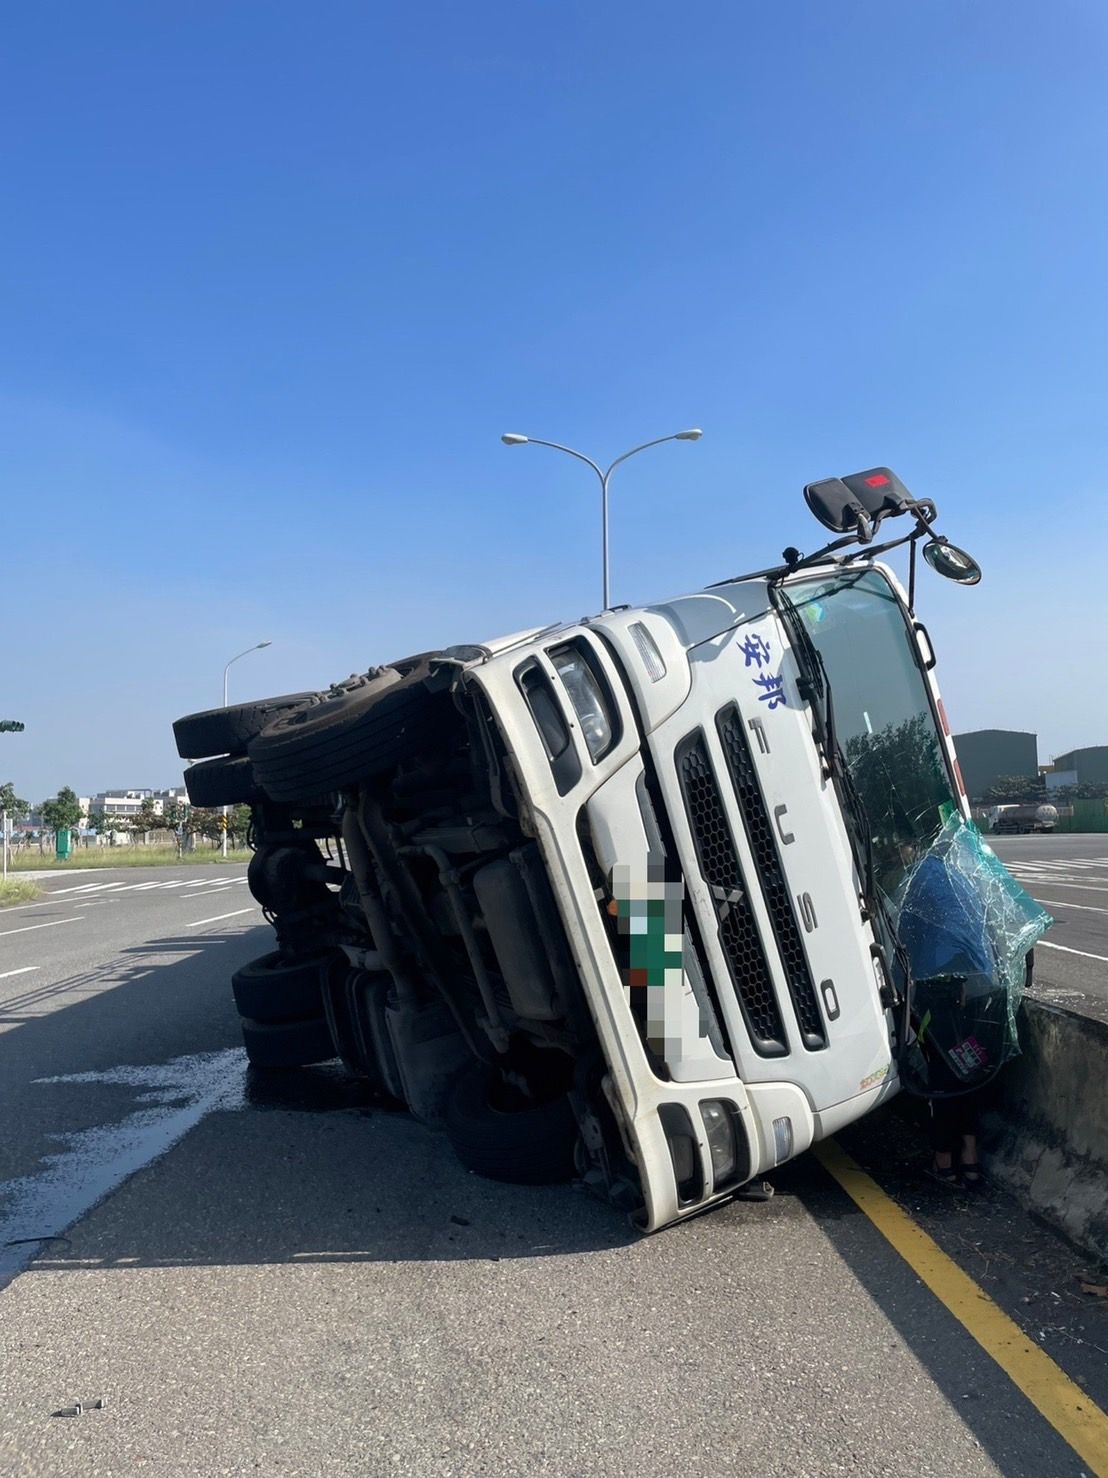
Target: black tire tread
[
  {"x": 531, "y": 1147},
  {"x": 227, "y": 781},
  {"x": 373, "y": 732},
  {"x": 286, "y": 1044},
  {"x": 229, "y": 730},
  {"x": 272, "y": 990}
]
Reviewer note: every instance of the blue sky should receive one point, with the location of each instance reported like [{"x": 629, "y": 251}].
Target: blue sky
[{"x": 274, "y": 278}]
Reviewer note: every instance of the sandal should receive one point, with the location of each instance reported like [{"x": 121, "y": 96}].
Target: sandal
[
  {"x": 971, "y": 1176},
  {"x": 947, "y": 1177}
]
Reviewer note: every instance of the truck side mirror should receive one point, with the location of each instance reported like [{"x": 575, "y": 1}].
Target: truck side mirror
[
  {"x": 951, "y": 562},
  {"x": 837, "y": 508}
]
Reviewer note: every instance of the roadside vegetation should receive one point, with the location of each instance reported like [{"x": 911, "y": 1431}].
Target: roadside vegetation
[
  {"x": 17, "y": 890},
  {"x": 30, "y": 859},
  {"x": 148, "y": 838}
]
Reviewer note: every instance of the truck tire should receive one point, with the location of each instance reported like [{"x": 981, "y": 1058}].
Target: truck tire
[
  {"x": 532, "y": 1145},
  {"x": 271, "y": 989},
  {"x": 229, "y": 730},
  {"x": 281, "y": 1044},
  {"x": 351, "y": 735},
  {"x": 228, "y": 781}
]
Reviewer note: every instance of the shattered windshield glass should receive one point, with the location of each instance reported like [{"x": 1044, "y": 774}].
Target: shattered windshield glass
[
  {"x": 968, "y": 929},
  {"x": 964, "y": 923},
  {"x": 884, "y": 720}
]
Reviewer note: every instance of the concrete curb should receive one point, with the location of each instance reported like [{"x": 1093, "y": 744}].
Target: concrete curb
[{"x": 1047, "y": 1136}]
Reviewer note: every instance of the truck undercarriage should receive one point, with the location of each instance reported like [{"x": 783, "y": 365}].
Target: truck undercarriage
[{"x": 417, "y": 935}]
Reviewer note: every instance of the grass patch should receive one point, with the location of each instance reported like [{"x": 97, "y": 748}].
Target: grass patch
[
  {"x": 17, "y": 890},
  {"x": 31, "y": 860}
]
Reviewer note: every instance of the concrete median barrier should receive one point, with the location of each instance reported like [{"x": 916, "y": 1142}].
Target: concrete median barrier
[{"x": 1047, "y": 1136}]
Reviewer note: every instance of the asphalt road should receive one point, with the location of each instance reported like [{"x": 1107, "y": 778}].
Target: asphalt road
[
  {"x": 1068, "y": 875},
  {"x": 281, "y": 1277}
]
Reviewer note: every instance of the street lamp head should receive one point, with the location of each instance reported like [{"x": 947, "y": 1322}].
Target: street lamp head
[
  {"x": 513, "y": 438},
  {"x": 262, "y": 644},
  {"x": 694, "y": 434}
]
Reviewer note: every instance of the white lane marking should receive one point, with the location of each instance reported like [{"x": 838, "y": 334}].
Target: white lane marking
[
  {"x": 23, "y": 969},
  {"x": 22, "y": 907},
  {"x": 1060, "y": 872},
  {"x": 1062, "y": 859},
  {"x": 1058, "y": 883},
  {"x": 195, "y": 923},
  {"x": 1061, "y": 903},
  {"x": 1084, "y": 953},
  {"x": 28, "y": 927},
  {"x": 125, "y": 887}
]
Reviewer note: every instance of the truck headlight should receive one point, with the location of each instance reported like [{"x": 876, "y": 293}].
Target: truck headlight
[
  {"x": 782, "y": 1140},
  {"x": 652, "y": 659},
  {"x": 587, "y": 697},
  {"x": 720, "y": 1130}
]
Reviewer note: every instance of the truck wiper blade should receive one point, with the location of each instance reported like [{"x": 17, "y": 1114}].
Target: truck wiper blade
[
  {"x": 819, "y": 694},
  {"x": 818, "y": 686}
]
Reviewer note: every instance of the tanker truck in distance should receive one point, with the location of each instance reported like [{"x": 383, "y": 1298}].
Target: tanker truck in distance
[{"x": 1017, "y": 820}]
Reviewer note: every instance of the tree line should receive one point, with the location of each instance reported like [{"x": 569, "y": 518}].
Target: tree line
[{"x": 1030, "y": 790}]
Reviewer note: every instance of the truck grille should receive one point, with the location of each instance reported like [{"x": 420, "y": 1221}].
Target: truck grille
[
  {"x": 763, "y": 845},
  {"x": 719, "y": 865}
]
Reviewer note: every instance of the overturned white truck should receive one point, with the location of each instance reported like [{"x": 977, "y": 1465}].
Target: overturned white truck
[{"x": 656, "y": 898}]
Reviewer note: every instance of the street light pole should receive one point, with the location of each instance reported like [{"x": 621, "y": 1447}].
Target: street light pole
[
  {"x": 257, "y": 647},
  {"x": 512, "y": 438}
]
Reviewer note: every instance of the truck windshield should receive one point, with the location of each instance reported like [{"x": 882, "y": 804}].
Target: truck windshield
[{"x": 884, "y": 720}]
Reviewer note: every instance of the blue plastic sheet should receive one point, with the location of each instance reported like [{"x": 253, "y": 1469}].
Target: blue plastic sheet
[{"x": 967, "y": 928}]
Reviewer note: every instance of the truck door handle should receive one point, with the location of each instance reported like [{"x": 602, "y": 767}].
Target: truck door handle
[{"x": 921, "y": 631}]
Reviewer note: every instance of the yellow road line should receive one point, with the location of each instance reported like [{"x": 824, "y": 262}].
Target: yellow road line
[{"x": 1073, "y": 1414}]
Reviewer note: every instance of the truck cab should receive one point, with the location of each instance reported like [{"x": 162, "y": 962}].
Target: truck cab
[{"x": 675, "y": 785}]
